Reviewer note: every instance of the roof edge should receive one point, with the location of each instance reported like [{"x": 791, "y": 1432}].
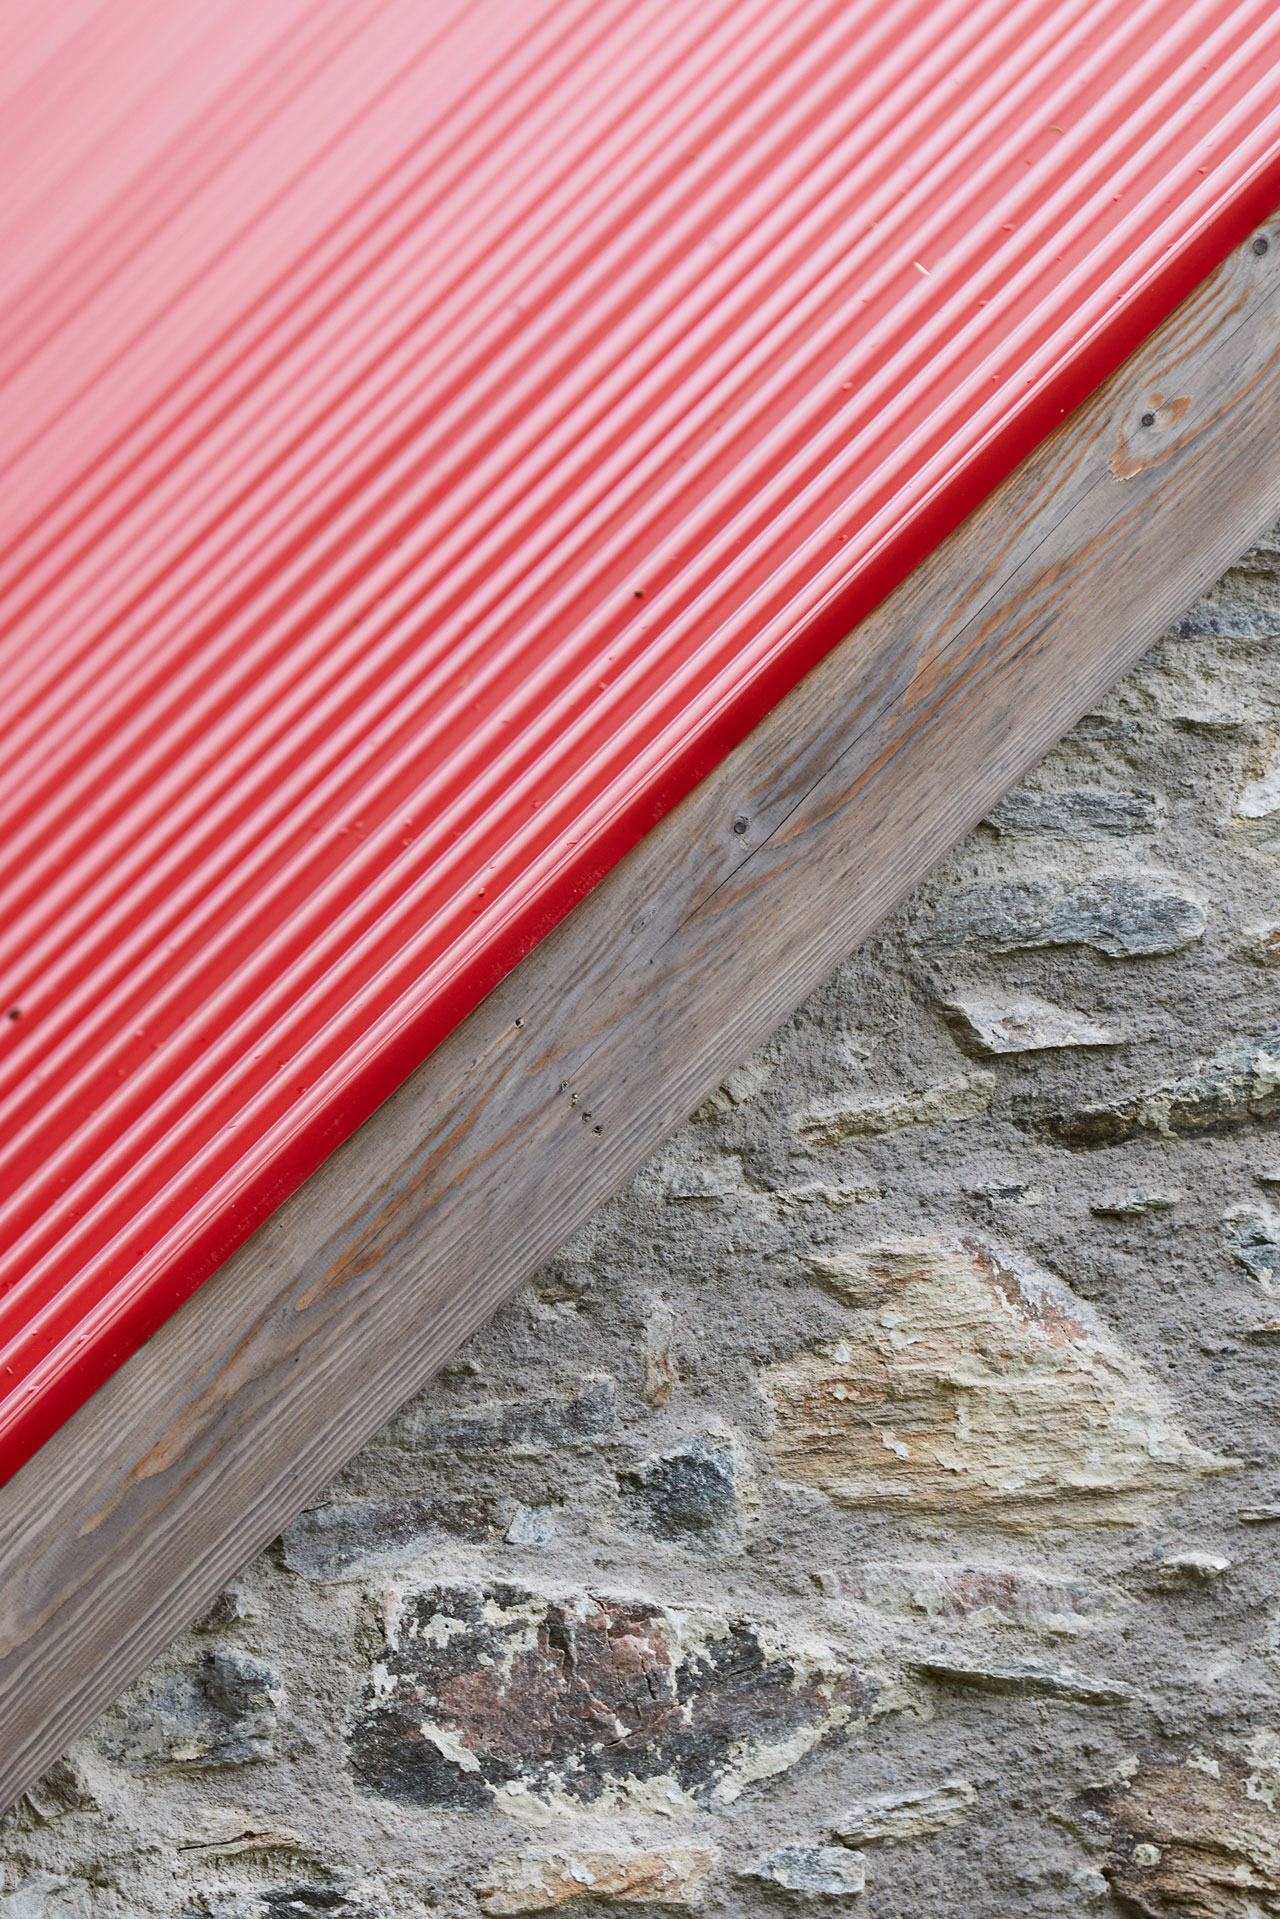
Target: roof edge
[{"x": 211, "y": 1438}]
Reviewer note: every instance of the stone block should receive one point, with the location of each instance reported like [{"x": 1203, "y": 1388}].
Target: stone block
[
  {"x": 1135, "y": 1202},
  {"x": 539, "y": 1880},
  {"x": 1124, "y": 915},
  {"x": 968, "y": 1383},
  {"x": 1019, "y": 1024},
  {"x": 537, "y": 1423},
  {"x": 512, "y": 1697},
  {"x": 47, "y": 1895},
  {"x": 854, "y": 1117},
  {"x": 1075, "y": 813},
  {"x": 1261, "y": 944},
  {"x": 1030, "y": 1678},
  {"x": 657, "y": 1354},
  {"x": 822, "y": 1872},
  {"x": 987, "y": 1594},
  {"x": 220, "y": 1710},
  {"x": 1258, "y": 799},
  {"x": 344, "y": 1539},
  {"x": 691, "y": 1495},
  {"x": 886, "y": 1818},
  {"x": 62, "y": 1789},
  {"x": 1253, "y": 1234},
  {"x": 1193, "y": 1834},
  {"x": 1229, "y": 1089},
  {"x": 1189, "y": 1567}
]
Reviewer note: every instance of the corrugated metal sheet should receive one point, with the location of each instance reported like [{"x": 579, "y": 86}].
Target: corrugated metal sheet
[{"x": 434, "y": 435}]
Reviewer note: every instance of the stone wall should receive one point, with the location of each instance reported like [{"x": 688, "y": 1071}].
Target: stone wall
[{"x": 877, "y": 1506}]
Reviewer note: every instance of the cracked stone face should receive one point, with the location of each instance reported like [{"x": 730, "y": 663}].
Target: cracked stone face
[
  {"x": 1196, "y": 1834},
  {"x": 692, "y": 1495},
  {"x": 966, "y": 1382},
  {"x": 483, "y": 1696},
  {"x": 220, "y": 1711},
  {"x": 541, "y": 1880}
]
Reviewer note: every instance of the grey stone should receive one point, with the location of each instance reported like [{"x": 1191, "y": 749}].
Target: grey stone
[
  {"x": 532, "y": 1526},
  {"x": 1188, "y": 1568},
  {"x": 691, "y": 1495},
  {"x": 537, "y": 1424},
  {"x": 1261, "y": 944},
  {"x": 221, "y": 1833},
  {"x": 1076, "y": 813},
  {"x": 63, "y": 1788},
  {"x": 827, "y": 1872},
  {"x": 341, "y": 1540},
  {"x": 509, "y": 1697},
  {"x": 47, "y": 1895},
  {"x": 1227, "y": 1090},
  {"x": 1253, "y": 1234},
  {"x": 233, "y": 1607},
  {"x": 889, "y": 1817},
  {"x": 221, "y": 1710},
  {"x": 294, "y": 1901},
  {"x": 1258, "y": 799},
  {"x": 1008, "y": 1192},
  {"x": 1134, "y": 1204},
  {"x": 1059, "y": 1601},
  {"x": 1039, "y": 1679},
  {"x": 865, "y": 1116},
  {"x": 1125, "y": 916},
  {"x": 1021, "y": 1024}
]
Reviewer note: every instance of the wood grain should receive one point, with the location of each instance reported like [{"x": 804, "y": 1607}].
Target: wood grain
[{"x": 216, "y": 1433}]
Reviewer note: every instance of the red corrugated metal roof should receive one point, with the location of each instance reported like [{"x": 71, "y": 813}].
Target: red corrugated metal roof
[{"x": 435, "y": 435}]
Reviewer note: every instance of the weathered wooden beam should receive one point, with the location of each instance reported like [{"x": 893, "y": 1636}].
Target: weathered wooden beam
[{"x": 211, "y": 1438}]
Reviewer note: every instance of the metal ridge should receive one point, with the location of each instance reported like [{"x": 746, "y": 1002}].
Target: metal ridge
[{"x": 435, "y": 441}]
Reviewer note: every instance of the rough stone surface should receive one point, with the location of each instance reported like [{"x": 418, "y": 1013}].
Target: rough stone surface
[
  {"x": 1253, "y": 1234},
  {"x": 964, "y": 1381},
  {"x": 342, "y": 1540},
  {"x": 658, "y": 1592},
  {"x": 1123, "y": 915},
  {"x": 840, "y": 1121},
  {"x": 1022, "y": 1024},
  {"x": 825, "y": 1872},
  {"x": 220, "y": 1710},
  {"x": 1074, "y": 812},
  {"x": 1192, "y": 1833},
  {"x": 539, "y": 1880},
  {"x": 497, "y": 1695},
  {"x": 1028, "y": 1676},
  {"x": 537, "y": 1424},
  {"x": 992, "y": 1595},
  {"x": 1134, "y": 1204},
  {"x": 887, "y": 1818},
  {"x": 1228, "y": 1090},
  {"x": 693, "y": 1495}
]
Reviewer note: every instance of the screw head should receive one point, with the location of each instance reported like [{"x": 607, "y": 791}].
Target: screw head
[
  {"x": 1148, "y": 419},
  {"x": 741, "y": 824},
  {"x": 1261, "y": 245}
]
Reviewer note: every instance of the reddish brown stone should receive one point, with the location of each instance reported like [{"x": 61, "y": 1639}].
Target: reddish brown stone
[{"x": 588, "y": 1698}]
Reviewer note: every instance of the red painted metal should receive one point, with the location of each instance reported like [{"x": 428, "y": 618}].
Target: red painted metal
[{"x": 435, "y": 435}]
